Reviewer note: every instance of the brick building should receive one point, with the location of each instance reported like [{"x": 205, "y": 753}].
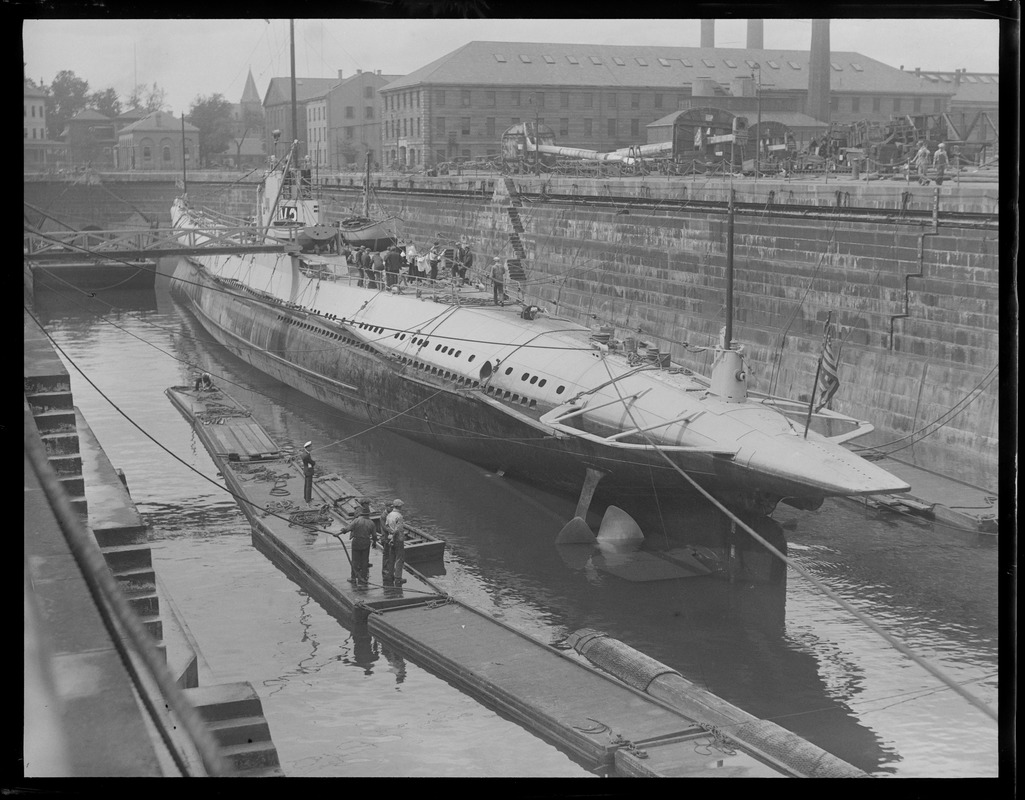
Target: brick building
[
  {"x": 90, "y": 138},
  {"x": 344, "y": 124},
  {"x": 277, "y": 109},
  {"x": 155, "y": 142},
  {"x": 603, "y": 97}
]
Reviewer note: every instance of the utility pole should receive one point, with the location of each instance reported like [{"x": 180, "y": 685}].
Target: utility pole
[{"x": 758, "y": 127}]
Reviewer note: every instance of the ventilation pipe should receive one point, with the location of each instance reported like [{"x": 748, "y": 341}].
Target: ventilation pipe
[
  {"x": 818, "y": 71},
  {"x": 755, "y": 38},
  {"x": 708, "y": 33}
]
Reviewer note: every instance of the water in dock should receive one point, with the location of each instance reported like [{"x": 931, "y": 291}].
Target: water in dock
[{"x": 340, "y": 704}]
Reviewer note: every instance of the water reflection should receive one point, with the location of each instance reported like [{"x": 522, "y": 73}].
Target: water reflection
[{"x": 761, "y": 638}]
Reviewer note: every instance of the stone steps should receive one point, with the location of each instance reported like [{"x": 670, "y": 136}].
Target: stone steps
[{"x": 234, "y": 715}]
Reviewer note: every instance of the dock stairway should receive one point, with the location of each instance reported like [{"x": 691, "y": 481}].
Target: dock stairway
[
  {"x": 50, "y": 402},
  {"x": 234, "y": 715},
  {"x": 516, "y": 271}
]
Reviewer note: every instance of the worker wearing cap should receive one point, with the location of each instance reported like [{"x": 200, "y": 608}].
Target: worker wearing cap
[
  {"x": 940, "y": 161},
  {"x": 308, "y": 465},
  {"x": 395, "y": 533},
  {"x": 363, "y": 535}
]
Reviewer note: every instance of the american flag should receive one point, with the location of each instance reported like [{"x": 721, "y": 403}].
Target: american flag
[{"x": 829, "y": 381}]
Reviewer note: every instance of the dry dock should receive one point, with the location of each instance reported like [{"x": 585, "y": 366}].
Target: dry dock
[{"x": 601, "y": 721}]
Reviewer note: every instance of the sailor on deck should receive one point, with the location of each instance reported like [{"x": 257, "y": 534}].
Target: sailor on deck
[
  {"x": 308, "y": 465},
  {"x": 204, "y": 383}
]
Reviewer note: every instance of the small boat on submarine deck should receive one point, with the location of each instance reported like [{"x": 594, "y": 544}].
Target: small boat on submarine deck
[{"x": 505, "y": 388}]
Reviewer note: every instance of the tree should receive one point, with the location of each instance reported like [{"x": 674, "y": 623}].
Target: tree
[
  {"x": 212, "y": 115},
  {"x": 148, "y": 99},
  {"x": 66, "y": 96},
  {"x": 106, "y": 102},
  {"x": 252, "y": 120}
]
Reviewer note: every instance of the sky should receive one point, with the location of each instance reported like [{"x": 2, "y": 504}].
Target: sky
[{"x": 193, "y": 58}]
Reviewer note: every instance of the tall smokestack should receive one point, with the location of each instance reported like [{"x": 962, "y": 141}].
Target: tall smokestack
[
  {"x": 708, "y": 33},
  {"x": 755, "y": 39},
  {"x": 818, "y": 71}
]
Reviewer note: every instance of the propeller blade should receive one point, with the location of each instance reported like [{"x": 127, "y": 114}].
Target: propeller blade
[
  {"x": 618, "y": 529},
  {"x": 576, "y": 531}
]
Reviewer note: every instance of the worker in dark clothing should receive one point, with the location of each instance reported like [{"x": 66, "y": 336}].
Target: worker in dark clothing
[
  {"x": 204, "y": 383},
  {"x": 363, "y": 534},
  {"x": 308, "y": 465},
  {"x": 393, "y": 264}
]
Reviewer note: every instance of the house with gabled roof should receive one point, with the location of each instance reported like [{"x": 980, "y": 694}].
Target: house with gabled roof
[{"x": 158, "y": 141}]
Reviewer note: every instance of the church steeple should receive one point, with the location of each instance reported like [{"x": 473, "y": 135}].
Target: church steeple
[{"x": 249, "y": 94}]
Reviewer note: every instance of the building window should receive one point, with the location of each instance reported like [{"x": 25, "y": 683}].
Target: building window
[
  {"x": 147, "y": 153},
  {"x": 729, "y": 63},
  {"x": 896, "y": 104},
  {"x": 439, "y": 124},
  {"x": 658, "y": 101},
  {"x": 439, "y": 156},
  {"x": 539, "y": 99},
  {"x": 794, "y": 65},
  {"x": 418, "y": 126},
  {"x": 752, "y": 64},
  {"x": 663, "y": 62},
  {"x": 516, "y": 99},
  {"x": 439, "y": 97},
  {"x": 708, "y": 62},
  {"x": 855, "y": 104},
  {"x": 595, "y": 60},
  {"x": 499, "y": 58},
  {"x": 564, "y": 126},
  {"x": 563, "y": 99},
  {"x": 368, "y": 112},
  {"x": 834, "y": 103},
  {"x": 641, "y": 61},
  {"x": 612, "y": 99},
  {"x": 403, "y": 127},
  {"x": 348, "y": 131},
  {"x": 876, "y": 104},
  {"x": 572, "y": 59},
  {"x": 937, "y": 105},
  {"x": 836, "y": 66},
  {"x": 525, "y": 59},
  {"x": 489, "y": 126},
  {"x": 588, "y": 127},
  {"x": 167, "y": 153},
  {"x": 464, "y": 98},
  {"x": 588, "y": 100},
  {"x": 350, "y": 112},
  {"x": 916, "y": 104},
  {"x": 635, "y": 127},
  {"x": 489, "y": 99},
  {"x": 635, "y": 100},
  {"x": 612, "y": 126},
  {"x": 465, "y": 127},
  {"x": 772, "y": 64},
  {"x": 418, "y": 99},
  {"x": 368, "y": 91}
]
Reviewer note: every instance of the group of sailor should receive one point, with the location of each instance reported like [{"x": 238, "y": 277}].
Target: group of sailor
[{"x": 403, "y": 264}]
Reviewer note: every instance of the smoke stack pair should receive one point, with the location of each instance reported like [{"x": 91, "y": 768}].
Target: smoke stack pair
[{"x": 755, "y": 31}]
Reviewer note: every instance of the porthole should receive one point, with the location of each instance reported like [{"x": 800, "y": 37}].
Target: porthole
[
  {"x": 533, "y": 380},
  {"x": 508, "y": 370},
  {"x": 532, "y": 404},
  {"x": 458, "y": 353},
  {"x": 437, "y": 347},
  {"x": 524, "y": 376},
  {"x": 471, "y": 358},
  {"x": 542, "y": 382},
  {"x": 560, "y": 390},
  {"x": 515, "y": 398}
]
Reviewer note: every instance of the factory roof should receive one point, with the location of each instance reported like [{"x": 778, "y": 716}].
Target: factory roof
[{"x": 600, "y": 66}]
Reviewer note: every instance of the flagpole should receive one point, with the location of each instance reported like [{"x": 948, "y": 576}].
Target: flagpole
[{"x": 815, "y": 384}]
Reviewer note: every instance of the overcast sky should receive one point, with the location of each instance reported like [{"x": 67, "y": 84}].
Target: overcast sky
[{"x": 195, "y": 57}]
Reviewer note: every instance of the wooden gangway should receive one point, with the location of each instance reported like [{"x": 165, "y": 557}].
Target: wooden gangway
[{"x": 601, "y": 721}]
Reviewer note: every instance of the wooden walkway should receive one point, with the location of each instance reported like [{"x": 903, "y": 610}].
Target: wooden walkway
[{"x": 599, "y": 720}]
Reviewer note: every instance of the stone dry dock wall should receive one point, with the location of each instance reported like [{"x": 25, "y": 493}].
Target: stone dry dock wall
[{"x": 659, "y": 275}]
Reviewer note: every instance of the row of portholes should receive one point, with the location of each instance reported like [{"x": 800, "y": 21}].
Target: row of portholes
[
  {"x": 533, "y": 379},
  {"x": 507, "y": 395},
  {"x": 441, "y": 373},
  {"x": 368, "y": 327},
  {"x": 329, "y": 334}
]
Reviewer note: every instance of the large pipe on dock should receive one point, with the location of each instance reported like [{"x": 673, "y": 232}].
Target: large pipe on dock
[{"x": 760, "y": 737}]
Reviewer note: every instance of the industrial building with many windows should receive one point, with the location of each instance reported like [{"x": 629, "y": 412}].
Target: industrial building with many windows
[{"x": 603, "y": 97}]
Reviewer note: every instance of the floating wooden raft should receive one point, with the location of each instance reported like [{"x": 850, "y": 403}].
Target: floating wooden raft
[{"x": 231, "y": 433}]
